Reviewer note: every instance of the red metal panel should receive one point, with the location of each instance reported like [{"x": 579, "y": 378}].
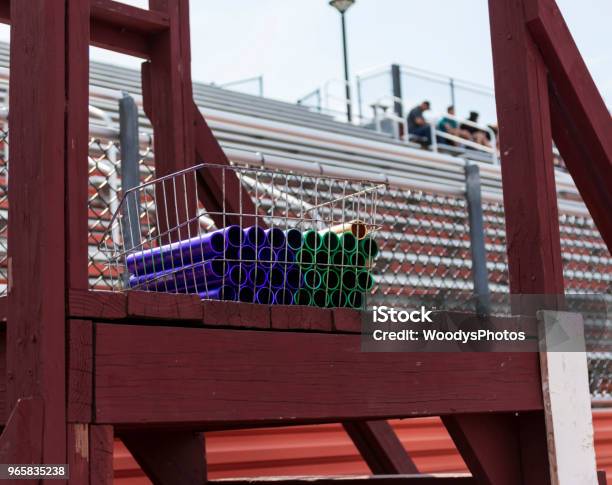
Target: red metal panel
[{"x": 326, "y": 449}]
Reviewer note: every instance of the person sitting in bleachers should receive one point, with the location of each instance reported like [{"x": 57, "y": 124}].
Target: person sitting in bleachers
[
  {"x": 417, "y": 125},
  {"x": 476, "y": 134},
  {"x": 449, "y": 125}
]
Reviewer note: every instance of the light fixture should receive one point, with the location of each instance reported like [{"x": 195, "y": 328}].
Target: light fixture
[{"x": 341, "y": 5}]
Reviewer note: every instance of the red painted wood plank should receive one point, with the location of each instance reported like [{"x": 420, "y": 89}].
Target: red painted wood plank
[
  {"x": 3, "y": 308},
  {"x": 77, "y": 146},
  {"x": 112, "y": 37},
  {"x": 532, "y": 230},
  {"x": 101, "y": 441},
  {"x": 78, "y": 453},
  {"x": 582, "y": 127},
  {"x": 169, "y": 457},
  {"x": 530, "y": 198},
  {"x": 166, "y": 83},
  {"x": 380, "y": 447},
  {"x": 149, "y": 374},
  {"x": 80, "y": 371},
  {"x": 212, "y": 183},
  {"x": 232, "y": 314},
  {"x": 3, "y": 405},
  {"x": 128, "y": 17},
  {"x": 347, "y": 320},
  {"x": 301, "y": 318},
  {"x": 593, "y": 184},
  {"x": 97, "y": 305},
  {"x": 488, "y": 445},
  {"x": 37, "y": 335},
  {"x": 22, "y": 438},
  {"x": 5, "y": 11},
  {"x": 168, "y": 306}
]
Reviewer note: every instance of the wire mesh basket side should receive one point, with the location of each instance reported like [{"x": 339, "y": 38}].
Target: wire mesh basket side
[{"x": 286, "y": 238}]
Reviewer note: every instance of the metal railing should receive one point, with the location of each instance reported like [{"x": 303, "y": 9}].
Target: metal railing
[{"x": 259, "y": 80}]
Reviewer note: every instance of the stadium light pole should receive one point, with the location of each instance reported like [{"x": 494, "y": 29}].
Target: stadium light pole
[{"x": 342, "y": 6}]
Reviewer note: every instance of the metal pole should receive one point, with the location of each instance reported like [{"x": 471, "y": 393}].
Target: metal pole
[
  {"x": 396, "y": 86},
  {"x": 452, "y": 91},
  {"x": 359, "y": 100},
  {"x": 480, "y": 275},
  {"x": 130, "y": 173},
  {"x": 349, "y": 114}
]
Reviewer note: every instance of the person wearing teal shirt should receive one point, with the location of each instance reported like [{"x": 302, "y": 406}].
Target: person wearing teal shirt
[{"x": 449, "y": 125}]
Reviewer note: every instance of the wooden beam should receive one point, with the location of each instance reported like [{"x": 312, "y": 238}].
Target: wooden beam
[
  {"x": 169, "y": 457},
  {"x": 601, "y": 477},
  {"x": 5, "y": 11},
  {"x": 78, "y": 453},
  {"x": 80, "y": 372},
  {"x": 36, "y": 346},
  {"x": 530, "y": 197},
  {"x": 489, "y": 446},
  {"x": 213, "y": 185},
  {"x": 127, "y": 17},
  {"x": 101, "y": 443},
  {"x": 580, "y": 108},
  {"x": 593, "y": 182},
  {"x": 433, "y": 479},
  {"x": 22, "y": 437},
  {"x": 187, "y": 376},
  {"x": 90, "y": 455},
  {"x": 77, "y": 146},
  {"x": 167, "y": 99},
  {"x": 532, "y": 227},
  {"x": 112, "y": 37},
  {"x": 380, "y": 447},
  {"x": 124, "y": 28}
]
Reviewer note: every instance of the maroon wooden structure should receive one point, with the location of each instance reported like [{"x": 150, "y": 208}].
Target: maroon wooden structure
[{"x": 77, "y": 375}]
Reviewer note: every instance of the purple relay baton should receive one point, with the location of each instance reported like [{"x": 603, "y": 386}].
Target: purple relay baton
[
  {"x": 254, "y": 236},
  {"x": 264, "y": 296},
  {"x": 246, "y": 294},
  {"x": 258, "y": 276},
  {"x": 238, "y": 274},
  {"x": 293, "y": 277},
  {"x": 225, "y": 292},
  {"x": 189, "y": 251},
  {"x": 276, "y": 237},
  {"x": 201, "y": 275},
  {"x": 285, "y": 255},
  {"x": 283, "y": 296}
]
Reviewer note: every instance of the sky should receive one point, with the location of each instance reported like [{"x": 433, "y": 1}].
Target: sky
[{"x": 296, "y": 44}]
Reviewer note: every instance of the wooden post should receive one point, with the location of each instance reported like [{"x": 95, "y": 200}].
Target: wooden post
[
  {"x": 167, "y": 98},
  {"x": 37, "y": 283},
  {"x": 532, "y": 224},
  {"x": 77, "y": 143}
]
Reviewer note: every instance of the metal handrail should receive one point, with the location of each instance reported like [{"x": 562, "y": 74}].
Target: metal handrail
[
  {"x": 390, "y": 115},
  {"x": 259, "y": 79},
  {"x": 317, "y": 93}
]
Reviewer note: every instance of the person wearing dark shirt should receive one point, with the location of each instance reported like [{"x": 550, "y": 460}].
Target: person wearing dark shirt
[
  {"x": 479, "y": 136},
  {"x": 416, "y": 123}
]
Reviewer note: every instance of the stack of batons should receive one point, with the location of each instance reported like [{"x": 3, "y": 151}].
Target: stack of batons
[{"x": 327, "y": 268}]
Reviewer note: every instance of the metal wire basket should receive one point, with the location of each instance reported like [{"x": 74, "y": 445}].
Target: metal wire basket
[{"x": 280, "y": 238}]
